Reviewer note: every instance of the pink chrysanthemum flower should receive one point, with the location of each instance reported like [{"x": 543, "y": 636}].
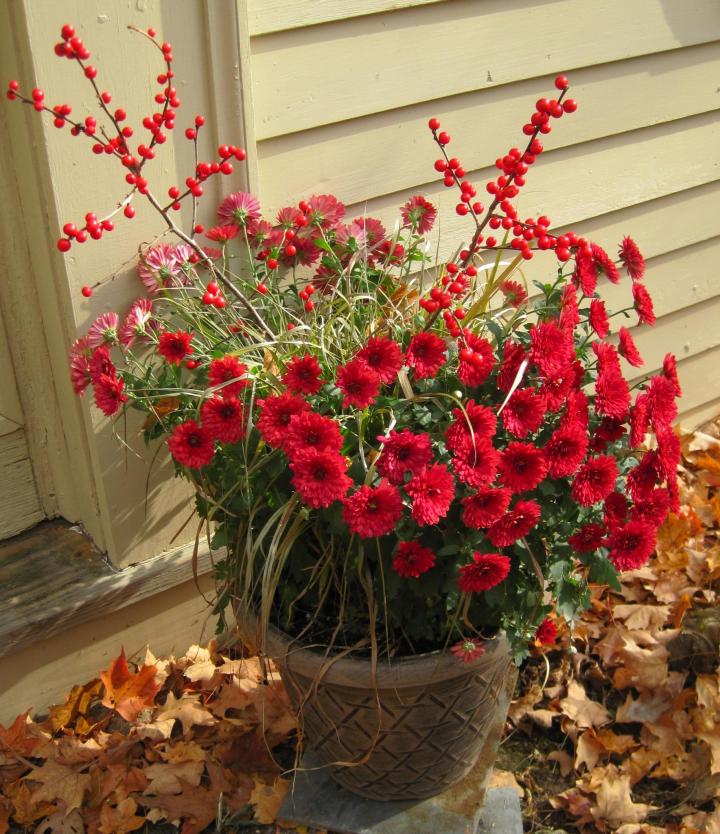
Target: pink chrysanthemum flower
[
  {"x": 138, "y": 322},
  {"x": 643, "y": 304},
  {"x": 191, "y": 445},
  {"x": 258, "y": 232},
  {"x": 320, "y": 477},
  {"x": 306, "y": 252},
  {"x": 275, "y": 415},
  {"x": 514, "y": 292},
  {"x": 239, "y": 209},
  {"x": 565, "y": 450},
  {"x": 485, "y": 507},
  {"x": 302, "y": 375},
  {"x": 185, "y": 256},
  {"x": 484, "y": 572},
  {"x": 222, "y": 234},
  {"x": 419, "y": 214},
  {"x": 467, "y": 650},
  {"x": 403, "y": 452},
  {"x": 426, "y": 354},
  {"x": 359, "y": 383},
  {"x": 310, "y": 430},
  {"x": 432, "y": 492},
  {"x": 104, "y": 330},
  {"x": 412, "y": 560},
  {"x": 631, "y": 546},
  {"x": 109, "y": 394},
  {"x": 373, "y": 511},
  {"x": 476, "y": 359},
  {"x": 522, "y": 466},
  {"x": 230, "y": 373},
  {"x": 628, "y": 349},
  {"x": 80, "y": 365},
  {"x": 325, "y": 211},
  {"x": 524, "y": 412},
  {"x": 224, "y": 418},
  {"x": 632, "y": 258},
  {"x": 384, "y": 356},
  {"x": 160, "y": 268},
  {"x": 599, "y": 318},
  {"x": 515, "y": 524},
  {"x": 373, "y": 231},
  {"x": 595, "y": 480},
  {"x": 287, "y": 217}
]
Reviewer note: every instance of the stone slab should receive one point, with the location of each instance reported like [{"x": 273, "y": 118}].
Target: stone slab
[{"x": 316, "y": 801}]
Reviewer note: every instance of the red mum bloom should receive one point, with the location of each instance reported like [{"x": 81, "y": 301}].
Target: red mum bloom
[
  {"x": 229, "y": 373},
  {"x": 595, "y": 480},
  {"x": 485, "y": 507},
  {"x": 654, "y": 509},
  {"x": 484, "y": 572},
  {"x": 661, "y": 405},
  {"x": 605, "y": 263},
  {"x": 302, "y": 375},
  {"x": 403, "y": 452},
  {"x": 612, "y": 395},
  {"x": 546, "y": 633},
  {"x": 631, "y": 545},
  {"x": 432, "y": 492},
  {"x": 109, "y": 394},
  {"x": 577, "y": 410},
  {"x": 628, "y": 349},
  {"x": 222, "y": 234},
  {"x": 524, "y": 412},
  {"x": 384, "y": 356},
  {"x": 100, "y": 363},
  {"x": 471, "y": 426},
  {"x": 476, "y": 465},
  {"x": 174, "y": 347},
  {"x": 632, "y": 258},
  {"x": 514, "y": 292},
  {"x": 615, "y": 510},
  {"x": 426, "y": 354},
  {"x": 551, "y": 348},
  {"x": 515, "y": 524},
  {"x": 419, "y": 214},
  {"x": 639, "y": 420},
  {"x": 276, "y": 413},
  {"x": 599, "y": 318},
  {"x": 310, "y": 430},
  {"x": 556, "y": 389},
  {"x": 476, "y": 359},
  {"x": 468, "y": 650},
  {"x": 670, "y": 371},
  {"x": 359, "y": 382},
  {"x": 565, "y": 450},
  {"x": 569, "y": 313},
  {"x": 373, "y": 511},
  {"x": 320, "y": 477},
  {"x": 668, "y": 451},
  {"x": 325, "y": 210},
  {"x": 412, "y": 559},
  {"x": 224, "y": 418},
  {"x": 644, "y": 477},
  {"x": 513, "y": 357},
  {"x": 587, "y": 539},
  {"x": 585, "y": 274},
  {"x": 191, "y": 445},
  {"x": 643, "y": 304},
  {"x": 522, "y": 466}
]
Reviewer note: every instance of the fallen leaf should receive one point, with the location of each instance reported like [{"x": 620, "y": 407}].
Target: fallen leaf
[
  {"x": 121, "y": 819},
  {"x": 169, "y": 778},
  {"x": 267, "y": 799},
  {"x": 187, "y": 710},
  {"x": 196, "y": 806},
  {"x": 59, "y": 823},
  {"x": 75, "y": 707},
  {"x": 19, "y": 736},
  {"x": 26, "y": 810},
  {"x": 581, "y": 709},
  {"x": 614, "y": 803},
  {"x": 61, "y": 783},
  {"x": 505, "y": 779},
  {"x": 129, "y": 693}
]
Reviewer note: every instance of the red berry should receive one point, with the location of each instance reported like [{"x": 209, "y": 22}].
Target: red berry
[
  {"x": 208, "y": 298},
  {"x": 213, "y": 288},
  {"x": 151, "y": 32},
  {"x": 63, "y": 244},
  {"x": 191, "y": 364},
  {"x": 433, "y": 124},
  {"x": 262, "y": 289},
  {"x": 199, "y": 228},
  {"x": 38, "y": 94},
  {"x": 129, "y": 211},
  {"x": 240, "y": 154},
  {"x": 444, "y": 138},
  {"x": 90, "y": 72},
  {"x": 67, "y": 32},
  {"x": 461, "y": 209},
  {"x": 86, "y": 291},
  {"x": 570, "y": 105},
  {"x": 562, "y": 253},
  {"x": 106, "y": 97},
  {"x": 226, "y": 167},
  {"x": 561, "y": 82},
  {"x": 309, "y": 305},
  {"x": 291, "y": 251},
  {"x": 120, "y": 115},
  {"x": 199, "y": 121},
  {"x": 440, "y": 165},
  {"x": 81, "y": 236},
  {"x": 272, "y": 263}
]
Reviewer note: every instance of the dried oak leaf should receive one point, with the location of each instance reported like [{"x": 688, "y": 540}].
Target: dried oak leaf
[
  {"x": 581, "y": 709},
  {"x": 267, "y": 799},
  {"x": 58, "y": 823},
  {"x": 187, "y": 710},
  {"x": 642, "y": 616},
  {"x": 195, "y": 806},
  {"x": 127, "y": 693},
  {"x": 182, "y": 751},
  {"x": 169, "y": 778},
  {"x": 120, "y": 819},
  {"x": 199, "y": 667},
  {"x": 59, "y": 783},
  {"x": 614, "y": 803},
  {"x": 25, "y": 810}
]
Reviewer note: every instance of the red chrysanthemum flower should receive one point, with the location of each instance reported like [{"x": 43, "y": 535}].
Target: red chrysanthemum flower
[
  {"x": 432, "y": 492},
  {"x": 668, "y": 450},
  {"x": 632, "y": 258},
  {"x": 320, "y": 477},
  {"x": 587, "y": 539},
  {"x": 470, "y": 426},
  {"x": 598, "y": 318},
  {"x": 384, "y": 356},
  {"x": 310, "y": 430},
  {"x": 191, "y": 445},
  {"x": 546, "y": 633},
  {"x": 80, "y": 365},
  {"x": 643, "y": 478},
  {"x": 612, "y": 395},
  {"x": 109, "y": 394},
  {"x": 522, "y": 466},
  {"x": 639, "y": 420},
  {"x": 565, "y": 450},
  {"x": 514, "y": 292},
  {"x": 670, "y": 371},
  {"x": 373, "y": 511},
  {"x": 514, "y": 356},
  {"x": 654, "y": 509},
  {"x": 556, "y": 389},
  {"x": 615, "y": 510},
  {"x": 228, "y": 372},
  {"x": 524, "y": 412},
  {"x": 631, "y": 545},
  {"x": 484, "y": 572},
  {"x": 551, "y": 349},
  {"x": 426, "y": 354},
  {"x": 661, "y": 405},
  {"x": 174, "y": 347},
  {"x": 485, "y": 507},
  {"x": 419, "y": 214},
  {"x": 628, "y": 349},
  {"x": 403, "y": 452},
  {"x": 585, "y": 274},
  {"x": 515, "y": 524},
  {"x": 605, "y": 263},
  {"x": 476, "y": 465},
  {"x": 359, "y": 382},
  {"x": 569, "y": 312},
  {"x": 302, "y": 375},
  {"x": 224, "y": 418},
  {"x": 412, "y": 559},
  {"x": 275, "y": 416},
  {"x": 595, "y": 480},
  {"x": 239, "y": 209},
  {"x": 325, "y": 210},
  {"x": 476, "y": 359},
  {"x": 468, "y": 650},
  {"x": 577, "y": 410},
  {"x": 101, "y": 363},
  {"x": 643, "y": 304}
]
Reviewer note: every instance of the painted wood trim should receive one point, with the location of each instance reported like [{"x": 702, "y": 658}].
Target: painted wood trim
[{"x": 18, "y": 496}]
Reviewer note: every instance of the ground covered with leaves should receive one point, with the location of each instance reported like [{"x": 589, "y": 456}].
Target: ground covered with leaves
[{"x": 615, "y": 728}]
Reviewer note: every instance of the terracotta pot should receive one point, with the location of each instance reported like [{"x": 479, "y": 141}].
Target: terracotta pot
[{"x": 414, "y": 731}]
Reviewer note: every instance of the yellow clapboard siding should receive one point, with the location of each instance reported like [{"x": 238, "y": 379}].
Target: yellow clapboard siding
[
  {"x": 700, "y": 380},
  {"x": 308, "y": 77},
  {"x": 277, "y": 15},
  {"x": 392, "y": 150},
  {"x": 697, "y": 417}
]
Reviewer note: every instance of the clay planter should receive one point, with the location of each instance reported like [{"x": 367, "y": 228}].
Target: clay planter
[{"x": 412, "y": 734}]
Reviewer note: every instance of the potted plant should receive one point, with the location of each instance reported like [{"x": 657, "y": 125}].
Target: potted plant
[{"x": 414, "y": 466}]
